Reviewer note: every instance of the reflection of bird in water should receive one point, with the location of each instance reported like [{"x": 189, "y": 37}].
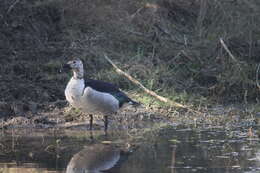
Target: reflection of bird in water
[
  {"x": 96, "y": 158},
  {"x": 93, "y": 96}
]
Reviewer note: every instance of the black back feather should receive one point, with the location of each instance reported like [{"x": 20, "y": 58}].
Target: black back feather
[
  {"x": 108, "y": 88},
  {"x": 101, "y": 86}
]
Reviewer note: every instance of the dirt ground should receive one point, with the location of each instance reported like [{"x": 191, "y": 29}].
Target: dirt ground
[
  {"x": 60, "y": 115},
  {"x": 37, "y": 37}
]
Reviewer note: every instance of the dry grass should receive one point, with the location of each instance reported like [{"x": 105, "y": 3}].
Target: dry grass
[{"x": 171, "y": 46}]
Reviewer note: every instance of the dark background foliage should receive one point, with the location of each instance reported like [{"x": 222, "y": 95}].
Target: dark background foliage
[{"x": 171, "y": 46}]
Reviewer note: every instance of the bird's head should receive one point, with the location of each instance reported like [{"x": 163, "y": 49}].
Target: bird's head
[{"x": 75, "y": 65}]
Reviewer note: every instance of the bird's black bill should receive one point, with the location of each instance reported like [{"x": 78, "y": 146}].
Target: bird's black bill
[{"x": 66, "y": 68}]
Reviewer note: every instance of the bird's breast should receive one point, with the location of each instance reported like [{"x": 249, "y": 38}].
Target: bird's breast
[{"x": 74, "y": 92}]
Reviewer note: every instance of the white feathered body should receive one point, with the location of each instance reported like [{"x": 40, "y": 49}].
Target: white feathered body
[{"x": 89, "y": 100}]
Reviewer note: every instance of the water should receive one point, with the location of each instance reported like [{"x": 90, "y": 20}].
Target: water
[{"x": 167, "y": 150}]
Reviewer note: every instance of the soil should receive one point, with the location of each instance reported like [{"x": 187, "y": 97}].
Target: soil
[
  {"x": 60, "y": 115},
  {"x": 35, "y": 40},
  {"x": 34, "y": 44}
]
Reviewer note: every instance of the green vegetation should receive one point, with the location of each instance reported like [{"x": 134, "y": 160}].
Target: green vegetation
[{"x": 171, "y": 46}]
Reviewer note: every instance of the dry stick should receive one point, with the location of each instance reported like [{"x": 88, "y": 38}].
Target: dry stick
[
  {"x": 228, "y": 51},
  {"x": 135, "y": 13},
  {"x": 12, "y": 6},
  {"x": 257, "y": 74},
  {"x": 152, "y": 93}
]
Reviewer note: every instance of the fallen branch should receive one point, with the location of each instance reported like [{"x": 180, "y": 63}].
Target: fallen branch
[
  {"x": 150, "y": 92},
  {"x": 257, "y": 76},
  {"x": 12, "y": 6},
  {"x": 227, "y": 50},
  {"x": 138, "y": 11}
]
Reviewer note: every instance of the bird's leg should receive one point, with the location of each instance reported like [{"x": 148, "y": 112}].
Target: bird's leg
[
  {"x": 90, "y": 121},
  {"x": 106, "y": 122}
]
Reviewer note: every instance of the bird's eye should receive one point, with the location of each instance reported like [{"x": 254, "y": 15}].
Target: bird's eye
[{"x": 74, "y": 62}]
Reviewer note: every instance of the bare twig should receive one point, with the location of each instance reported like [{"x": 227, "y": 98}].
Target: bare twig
[
  {"x": 257, "y": 74},
  {"x": 150, "y": 92},
  {"x": 135, "y": 13},
  {"x": 227, "y": 50},
  {"x": 12, "y": 6}
]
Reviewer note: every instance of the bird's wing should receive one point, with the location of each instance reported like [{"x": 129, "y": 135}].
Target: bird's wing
[
  {"x": 108, "y": 88},
  {"x": 101, "y": 86}
]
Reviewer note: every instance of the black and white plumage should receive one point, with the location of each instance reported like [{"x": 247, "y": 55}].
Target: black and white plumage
[
  {"x": 93, "y": 96},
  {"x": 106, "y": 87},
  {"x": 98, "y": 158}
]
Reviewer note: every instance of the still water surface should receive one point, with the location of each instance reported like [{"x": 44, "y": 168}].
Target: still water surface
[{"x": 167, "y": 150}]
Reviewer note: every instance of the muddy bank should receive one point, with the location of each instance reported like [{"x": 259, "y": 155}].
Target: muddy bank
[
  {"x": 70, "y": 118},
  {"x": 38, "y": 36},
  {"x": 188, "y": 65},
  {"x": 59, "y": 115}
]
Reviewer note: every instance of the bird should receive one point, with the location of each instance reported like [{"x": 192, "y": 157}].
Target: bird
[
  {"x": 93, "y": 96},
  {"x": 98, "y": 158}
]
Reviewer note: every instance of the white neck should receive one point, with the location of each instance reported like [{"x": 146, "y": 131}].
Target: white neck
[{"x": 78, "y": 74}]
